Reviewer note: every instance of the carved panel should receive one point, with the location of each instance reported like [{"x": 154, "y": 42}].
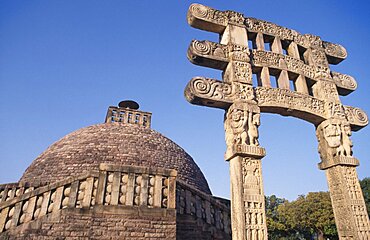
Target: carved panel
[
  {"x": 255, "y": 220},
  {"x": 334, "y": 140},
  {"x": 241, "y": 124},
  {"x": 349, "y": 207},
  {"x": 256, "y": 25},
  {"x": 273, "y": 97},
  {"x": 341, "y": 207},
  {"x": 238, "y": 71}
]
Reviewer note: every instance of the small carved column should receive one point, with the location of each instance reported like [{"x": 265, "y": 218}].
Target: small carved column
[
  {"x": 335, "y": 148},
  {"x": 244, "y": 155}
]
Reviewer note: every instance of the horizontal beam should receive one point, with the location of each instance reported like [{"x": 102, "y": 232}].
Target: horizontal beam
[
  {"x": 213, "y": 93},
  {"x": 212, "y": 20},
  {"x": 217, "y": 56}
]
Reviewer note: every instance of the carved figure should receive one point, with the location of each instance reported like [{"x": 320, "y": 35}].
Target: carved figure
[
  {"x": 332, "y": 135},
  {"x": 254, "y": 122},
  {"x": 346, "y": 141},
  {"x": 236, "y": 126}
]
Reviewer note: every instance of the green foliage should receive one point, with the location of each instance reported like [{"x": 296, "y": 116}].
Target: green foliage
[
  {"x": 365, "y": 186},
  {"x": 301, "y": 219}
]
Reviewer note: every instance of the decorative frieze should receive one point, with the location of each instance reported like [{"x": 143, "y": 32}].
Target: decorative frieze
[
  {"x": 285, "y": 99},
  {"x": 214, "y": 93}
]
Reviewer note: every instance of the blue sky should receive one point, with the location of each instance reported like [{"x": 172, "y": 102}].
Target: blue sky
[{"x": 62, "y": 63}]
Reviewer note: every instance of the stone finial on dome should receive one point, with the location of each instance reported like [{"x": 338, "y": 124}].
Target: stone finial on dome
[{"x": 127, "y": 112}]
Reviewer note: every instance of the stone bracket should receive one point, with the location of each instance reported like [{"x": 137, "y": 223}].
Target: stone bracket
[
  {"x": 243, "y": 150},
  {"x": 339, "y": 160}
]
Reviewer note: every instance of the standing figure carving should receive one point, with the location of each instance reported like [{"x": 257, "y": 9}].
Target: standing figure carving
[
  {"x": 253, "y": 123},
  {"x": 241, "y": 126}
]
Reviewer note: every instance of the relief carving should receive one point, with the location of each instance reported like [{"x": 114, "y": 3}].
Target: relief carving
[
  {"x": 335, "y": 145},
  {"x": 242, "y": 72},
  {"x": 253, "y": 197},
  {"x": 290, "y": 100},
  {"x": 356, "y": 116},
  {"x": 241, "y": 125},
  {"x": 235, "y": 18},
  {"x": 274, "y": 60},
  {"x": 335, "y": 110},
  {"x": 256, "y": 25},
  {"x": 198, "y": 11},
  {"x": 334, "y": 50},
  {"x": 239, "y": 53},
  {"x": 209, "y": 48},
  {"x": 344, "y": 81},
  {"x": 210, "y": 89}
]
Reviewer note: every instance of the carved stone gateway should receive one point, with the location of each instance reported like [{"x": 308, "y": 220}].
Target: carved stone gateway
[{"x": 303, "y": 87}]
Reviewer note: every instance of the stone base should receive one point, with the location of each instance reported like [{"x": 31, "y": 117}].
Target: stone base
[
  {"x": 339, "y": 160},
  {"x": 244, "y": 150}
]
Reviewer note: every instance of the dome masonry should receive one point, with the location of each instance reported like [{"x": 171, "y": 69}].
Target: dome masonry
[{"x": 125, "y": 138}]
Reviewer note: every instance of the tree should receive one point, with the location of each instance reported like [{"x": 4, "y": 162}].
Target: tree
[
  {"x": 309, "y": 215},
  {"x": 276, "y": 229},
  {"x": 365, "y": 186}
]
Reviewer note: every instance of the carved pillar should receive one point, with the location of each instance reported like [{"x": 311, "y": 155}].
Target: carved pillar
[
  {"x": 244, "y": 155},
  {"x": 335, "y": 148}
]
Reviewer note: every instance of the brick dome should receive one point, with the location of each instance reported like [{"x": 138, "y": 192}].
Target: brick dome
[{"x": 115, "y": 143}]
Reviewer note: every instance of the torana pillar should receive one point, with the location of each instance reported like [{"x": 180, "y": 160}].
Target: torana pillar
[{"x": 244, "y": 155}]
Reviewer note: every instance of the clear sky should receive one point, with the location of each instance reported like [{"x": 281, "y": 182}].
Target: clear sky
[{"x": 62, "y": 63}]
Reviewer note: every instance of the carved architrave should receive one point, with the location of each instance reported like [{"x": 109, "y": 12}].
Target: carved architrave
[
  {"x": 217, "y": 56},
  {"x": 214, "y": 93},
  {"x": 254, "y": 202}
]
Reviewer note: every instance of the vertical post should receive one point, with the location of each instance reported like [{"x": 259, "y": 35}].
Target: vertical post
[
  {"x": 241, "y": 132},
  {"x": 349, "y": 207},
  {"x": 244, "y": 155},
  {"x": 237, "y": 203}
]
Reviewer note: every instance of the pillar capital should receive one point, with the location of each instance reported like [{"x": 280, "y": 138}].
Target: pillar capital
[
  {"x": 242, "y": 120},
  {"x": 335, "y": 145}
]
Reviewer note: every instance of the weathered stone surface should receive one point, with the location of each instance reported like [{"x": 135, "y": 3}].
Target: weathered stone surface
[
  {"x": 115, "y": 143},
  {"x": 107, "y": 222}
]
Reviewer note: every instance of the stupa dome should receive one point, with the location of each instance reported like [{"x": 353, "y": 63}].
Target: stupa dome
[{"x": 114, "y": 143}]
